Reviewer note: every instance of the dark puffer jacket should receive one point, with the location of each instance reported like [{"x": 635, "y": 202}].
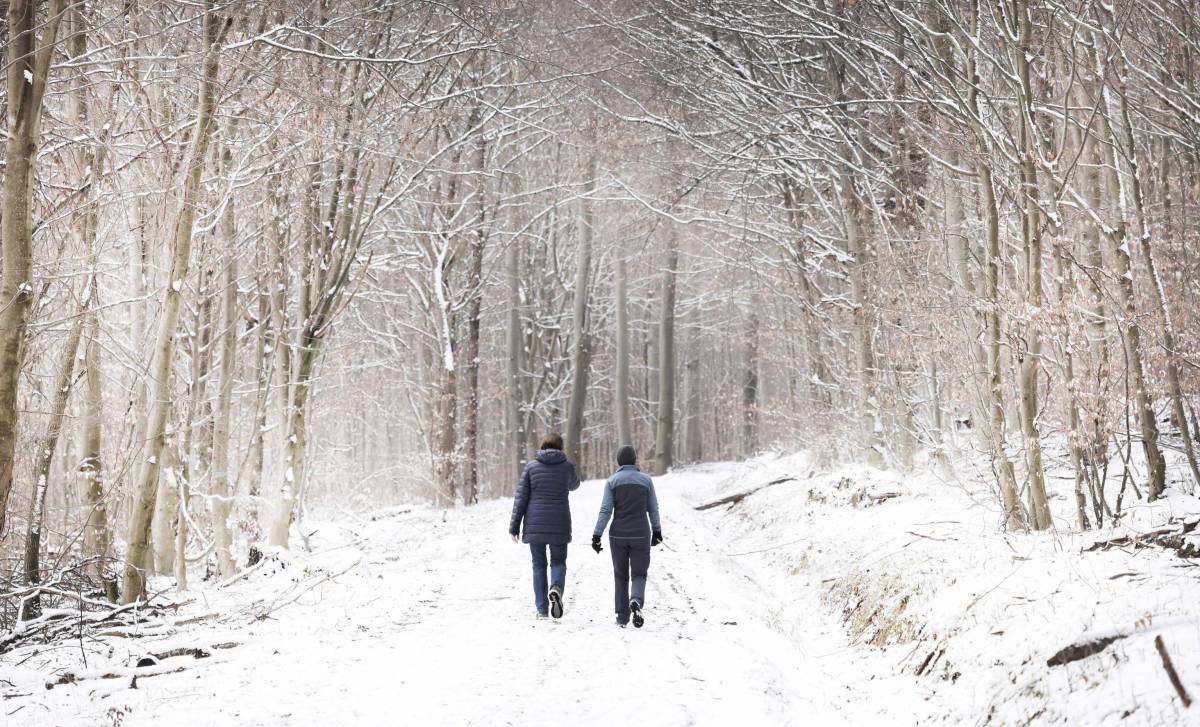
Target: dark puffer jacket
[{"x": 541, "y": 499}]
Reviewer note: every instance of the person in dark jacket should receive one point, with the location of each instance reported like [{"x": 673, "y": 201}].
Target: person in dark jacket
[
  {"x": 630, "y": 501},
  {"x": 541, "y": 504}
]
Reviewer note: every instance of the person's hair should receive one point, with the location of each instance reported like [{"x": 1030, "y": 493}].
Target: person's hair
[{"x": 553, "y": 440}]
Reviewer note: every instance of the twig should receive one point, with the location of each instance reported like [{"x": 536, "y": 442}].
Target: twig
[
  {"x": 772, "y": 547},
  {"x": 930, "y": 537},
  {"x": 1171, "y": 673}
]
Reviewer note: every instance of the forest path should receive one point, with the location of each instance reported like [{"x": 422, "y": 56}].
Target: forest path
[{"x": 426, "y": 617}]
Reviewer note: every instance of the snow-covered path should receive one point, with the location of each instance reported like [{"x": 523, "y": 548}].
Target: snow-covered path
[{"x": 427, "y": 618}]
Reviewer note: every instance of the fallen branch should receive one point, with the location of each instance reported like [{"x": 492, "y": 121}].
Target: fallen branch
[
  {"x": 1169, "y": 538},
  {"x": 1171, "y": 673},
  {"x": 149, "y": 665},
  {"x": 930, "y": 537},
  {"x": 1075, "y": 652},
  {"x": 737, "y": 497}
]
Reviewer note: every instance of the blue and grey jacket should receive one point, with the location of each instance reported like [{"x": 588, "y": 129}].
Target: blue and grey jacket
[{"x": 628, "y": 498}]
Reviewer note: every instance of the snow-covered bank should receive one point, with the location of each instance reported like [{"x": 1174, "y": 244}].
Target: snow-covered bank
[{"x": 921, "y": 575}]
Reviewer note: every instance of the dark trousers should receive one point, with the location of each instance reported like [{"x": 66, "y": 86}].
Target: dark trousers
[
  {"x": 631, "y": 561},
  {"x": 558, "y": 572}
]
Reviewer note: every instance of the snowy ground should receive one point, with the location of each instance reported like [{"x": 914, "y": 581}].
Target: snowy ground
[
  {"x": 416, "y": 619},
  {"x": 815, "y": 601}
]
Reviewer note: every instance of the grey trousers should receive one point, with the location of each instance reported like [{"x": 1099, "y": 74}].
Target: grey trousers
[{"x": 631, "y": 561}]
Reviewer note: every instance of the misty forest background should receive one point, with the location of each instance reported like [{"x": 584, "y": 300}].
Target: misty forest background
[{"x": 262, "y": 257}]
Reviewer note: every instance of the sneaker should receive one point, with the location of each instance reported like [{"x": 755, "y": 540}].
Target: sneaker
[
  {"x": 636, "y": 609},
  {"x": 621, "y": 623},
  {"x": 556, "y": 608},
  {"x": 542, "y": 614}
]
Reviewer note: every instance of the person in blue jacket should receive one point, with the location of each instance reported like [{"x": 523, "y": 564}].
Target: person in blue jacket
[
  {"x": 541, "y": 504},
  {"x": 630, "y": 501}
]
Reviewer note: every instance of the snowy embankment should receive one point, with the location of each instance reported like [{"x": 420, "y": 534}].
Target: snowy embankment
[
  {"x": 851, "y": 597},
  {"x": 995, "y": 628}
]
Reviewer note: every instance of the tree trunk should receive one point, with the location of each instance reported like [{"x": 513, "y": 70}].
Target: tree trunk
[
  {"x": 28, "y": 60},
  {"x": 1158, "y": 294},
  {"x": 159, "y": 402},
  {"x": 44, "y": 457},
  {"x": 1030, "y": 354},
  {"x": 97, "y": 538},
  {"x": 857, "y": 248},
  {"x": 664, "y": 440},
  {"x": 750, "y": 442},
  {"x": 221, "y": 490},
  {"x": 516, "y": 362},
  {"x": 624, "y": 420},
  {"x": 694, "y": 424},
  {"x": 1116, "y": 232},
  {"x": 581, "y": 349},
  {"x": 1014, "y": 515},
  {"x": 474, "y": 309}
]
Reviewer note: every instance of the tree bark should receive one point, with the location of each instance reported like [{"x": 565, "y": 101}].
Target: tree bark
[
  {"x": 664, "y": 440},
  {"x": 1116, "y": 233},
  {"x": 221, "y": 490},
  {"x": 750, "y": 383},
  {"x": 516, "y": 362},
  {"x": 474, "y": 311},
  {"x": 1158, "y": 294},
  {"x": 1030, "y": 355},
  {"x": 1014, "y": 515},
  {"x": 44, "y": 457},
  {"x": 28, "y": 60},
  {"x": 581, "y": 348},
  {"x": 693, "y": 431},
  {"x": 97, "y": 538},
  {"x": 159, "y": 402},
  {"x": 621, "y": 283}
]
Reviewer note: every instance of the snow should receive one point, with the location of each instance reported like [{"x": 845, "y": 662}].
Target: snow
[
  {"x": 409, "y": 619},
  {"x": 815, "y": 600},
  {"x": 927, "y": 574}
]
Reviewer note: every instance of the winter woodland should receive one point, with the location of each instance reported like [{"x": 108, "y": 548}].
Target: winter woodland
[{"x": 291, "y": 291}]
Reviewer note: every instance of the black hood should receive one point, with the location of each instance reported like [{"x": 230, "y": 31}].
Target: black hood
[
  {"x": 626, "y": 456},
  {"x": 551, "y": 456}
]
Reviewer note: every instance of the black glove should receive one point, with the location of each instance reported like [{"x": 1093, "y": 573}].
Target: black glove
[
  {"x": 596, "y": 543},
  {"x": 656, "y": 538}
]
